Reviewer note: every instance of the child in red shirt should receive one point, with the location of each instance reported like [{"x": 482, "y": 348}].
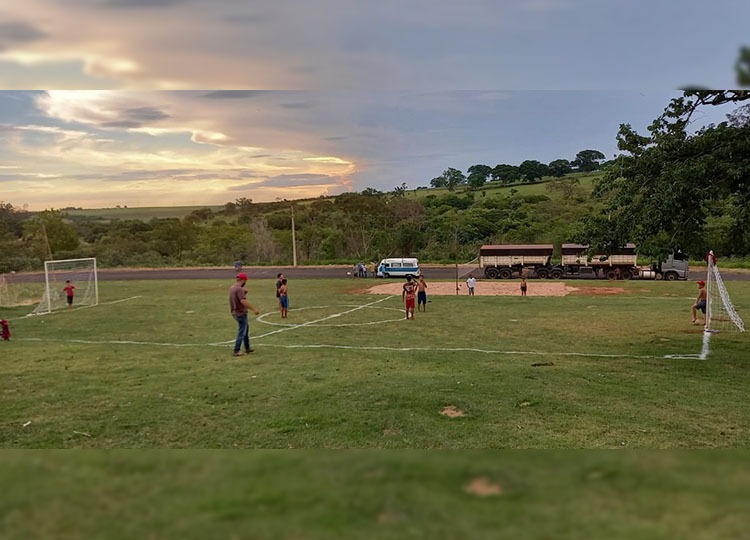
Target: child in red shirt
[{"x": 69, "y": 291}]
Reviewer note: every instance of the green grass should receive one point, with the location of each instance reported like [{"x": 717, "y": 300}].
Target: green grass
[
  {"x": 77, "y": 379},
  {"x": 373, "y": 494}
]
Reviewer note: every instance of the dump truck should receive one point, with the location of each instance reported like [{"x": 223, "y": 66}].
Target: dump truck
[{"x": 503, "y": 261}]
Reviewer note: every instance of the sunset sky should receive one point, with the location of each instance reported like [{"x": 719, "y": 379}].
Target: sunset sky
[{"x": 202, "y": 102}]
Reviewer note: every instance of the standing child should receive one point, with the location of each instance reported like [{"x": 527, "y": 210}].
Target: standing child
[
  {"x": 523, "y": 285},
  {"x": 700, "y": 302},
  {"x": 470, "y": 283},
  {"x": 422, "y": 294},
  {"x": 69, "y": 291},
  {"x": 408, "y": 294},
  {"x": 4, "y": 330},
  {"x": 283, "y": 298}
]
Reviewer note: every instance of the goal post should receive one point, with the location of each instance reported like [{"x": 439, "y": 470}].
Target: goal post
[
  {"x": 81, "y": 274},
  {"x": 721, "y": 315}
]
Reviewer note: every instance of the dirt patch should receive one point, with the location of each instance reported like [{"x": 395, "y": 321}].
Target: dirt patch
[
  {"x": 483, "y": 487},
  {"x": 451, "y": 411},
  {"x": 497, "y": 288},
  {"x": 596, "y": 291}
]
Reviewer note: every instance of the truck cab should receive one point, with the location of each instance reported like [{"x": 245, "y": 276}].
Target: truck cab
[{"x": 673, "y": 268}]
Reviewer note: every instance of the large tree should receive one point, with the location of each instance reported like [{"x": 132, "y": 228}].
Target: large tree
[
  {"x": 559, "y": 168},
  {"x": 667, "y": 185},
  {"x": 478, "y": 175},
  {"x": 532, "y": 169},
  {"x": 588, "y": 160},
  {"x": 505, "y": 173}
]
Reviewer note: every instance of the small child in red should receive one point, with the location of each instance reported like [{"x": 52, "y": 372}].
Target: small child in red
[{"x": 5, "y": 330}]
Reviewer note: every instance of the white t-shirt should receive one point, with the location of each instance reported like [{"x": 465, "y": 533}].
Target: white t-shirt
[{"x": 471, "y": 282}]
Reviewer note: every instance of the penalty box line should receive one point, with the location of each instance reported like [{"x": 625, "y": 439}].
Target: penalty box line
[
  {"x": 310, "y": 323},
  {"x": 65, "y": 310}
]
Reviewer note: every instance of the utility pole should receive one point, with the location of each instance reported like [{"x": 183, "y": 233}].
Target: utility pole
[{"x": 294, "y": 241}]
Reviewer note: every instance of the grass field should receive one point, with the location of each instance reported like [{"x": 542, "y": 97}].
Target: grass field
[
  {"x": 155, "y": 370},
  {"x": 361, "y": 392},
  {"x": 370, "y": 494}
]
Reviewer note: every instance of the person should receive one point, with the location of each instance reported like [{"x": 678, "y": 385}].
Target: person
[
  {"x": 237, "y": 265},
  {"x": 523, "y": 285},
  {"x": 422, "y": 294},
  {"x": 407, "y": 296},
  {"x": 283, "y": 299},
  {"x": 470, "y": 283},
  {"x": 239, "y": 307},
  {"x": 279, "y": 278},
  {"x": 4, "y": 330},
  {"x": 69, "y": 292},
  {"x": 700, "y": 302}
]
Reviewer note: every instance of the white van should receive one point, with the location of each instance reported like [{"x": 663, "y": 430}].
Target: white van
[{"x": 398, "y": 268}]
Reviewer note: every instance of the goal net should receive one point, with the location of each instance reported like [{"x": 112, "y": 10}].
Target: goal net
[
  {"x": 59, "y": 275},
  {"x": 721, "y": 315}
]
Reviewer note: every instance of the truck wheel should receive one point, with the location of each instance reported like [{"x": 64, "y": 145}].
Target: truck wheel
[
  {"x": 555, "y": 274},
  {"x": 611, "y": 274},
  {"x": 542, "y": 273},
  {"x": 491, "y": 273},
  {"x": 505, "y": 273},
  {"x": 626, "y": 274},
  {"x": 670, "y": 276}
]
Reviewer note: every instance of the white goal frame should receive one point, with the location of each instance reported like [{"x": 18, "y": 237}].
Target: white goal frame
[
  {"x": 46, "y": 305},
  {"x": 714, "y": 281}
]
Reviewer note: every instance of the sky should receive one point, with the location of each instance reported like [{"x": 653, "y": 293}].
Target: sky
[{"x": 189, "y": 102}]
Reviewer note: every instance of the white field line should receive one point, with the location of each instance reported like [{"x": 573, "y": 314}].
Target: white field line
[
  {"x": 371, "y": 348},
  {"x": 65, "y": 310}
]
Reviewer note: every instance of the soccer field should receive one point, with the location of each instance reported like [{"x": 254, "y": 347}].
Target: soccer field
[{"x": 151, "y": 366}]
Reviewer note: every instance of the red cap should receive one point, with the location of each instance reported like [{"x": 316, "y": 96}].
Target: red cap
[
  {"x": 701, "y": 283},
  {"x": 242, "y": 275}
]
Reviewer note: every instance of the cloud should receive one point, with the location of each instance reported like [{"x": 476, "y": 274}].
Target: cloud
[
  {"x": 375, "y": 46},
  {"x": 234, "y": 94},
  {"x": 17, "y": 33}
]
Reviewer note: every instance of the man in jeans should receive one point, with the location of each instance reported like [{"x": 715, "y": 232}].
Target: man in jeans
[{"x": 240, "y": 306}]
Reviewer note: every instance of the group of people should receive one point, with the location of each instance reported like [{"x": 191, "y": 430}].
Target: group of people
[{"x": 411, "y": 290}]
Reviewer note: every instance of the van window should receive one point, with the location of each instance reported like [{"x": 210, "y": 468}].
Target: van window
[{"x": 395, "y": 265}]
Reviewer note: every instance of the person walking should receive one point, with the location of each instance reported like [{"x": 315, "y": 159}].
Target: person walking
[
  {"x": 470, "y": 283},
  {"x": 239, "y": 307},
  {"x": 422, "y": 294},
  {"x": 69, "y": 290}
]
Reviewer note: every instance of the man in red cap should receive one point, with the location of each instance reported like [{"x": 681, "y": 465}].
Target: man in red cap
[
  {"x": 700, "y": 302},
  {"x": 239, "y": 305}
]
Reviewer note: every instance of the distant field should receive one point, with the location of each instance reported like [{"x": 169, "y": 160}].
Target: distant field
[
  {"x": 142, "y": 213},
  {"x": 152, "y": 367},
  {"x": 493, "y": 189}
]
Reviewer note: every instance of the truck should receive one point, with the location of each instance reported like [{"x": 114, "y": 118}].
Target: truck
[{"x": 503, "y": 261}]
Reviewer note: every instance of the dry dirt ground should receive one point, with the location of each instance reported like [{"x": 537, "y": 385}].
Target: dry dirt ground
[{"x": 500, "y": 288}]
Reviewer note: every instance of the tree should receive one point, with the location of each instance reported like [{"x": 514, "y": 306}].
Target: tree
[
  {"x": 560, "y": 167},
  {"x": 742, "y": 67},
  {"x": 532, "y": 169},
  {"x": 399, "y": 191},
  {"x": 438, "y": 182},
  {"x": 663, "y": 194},
  {"x": 452, "y": 178},
  {"x": 478, "y": 175},
  {"x": 506, "y": 174},
  {"x": 588, "y": 160},
  {"x": 50, "y": 232}
]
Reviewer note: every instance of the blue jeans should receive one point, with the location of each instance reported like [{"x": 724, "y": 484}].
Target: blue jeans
[{"x": 242, "y": 333}]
